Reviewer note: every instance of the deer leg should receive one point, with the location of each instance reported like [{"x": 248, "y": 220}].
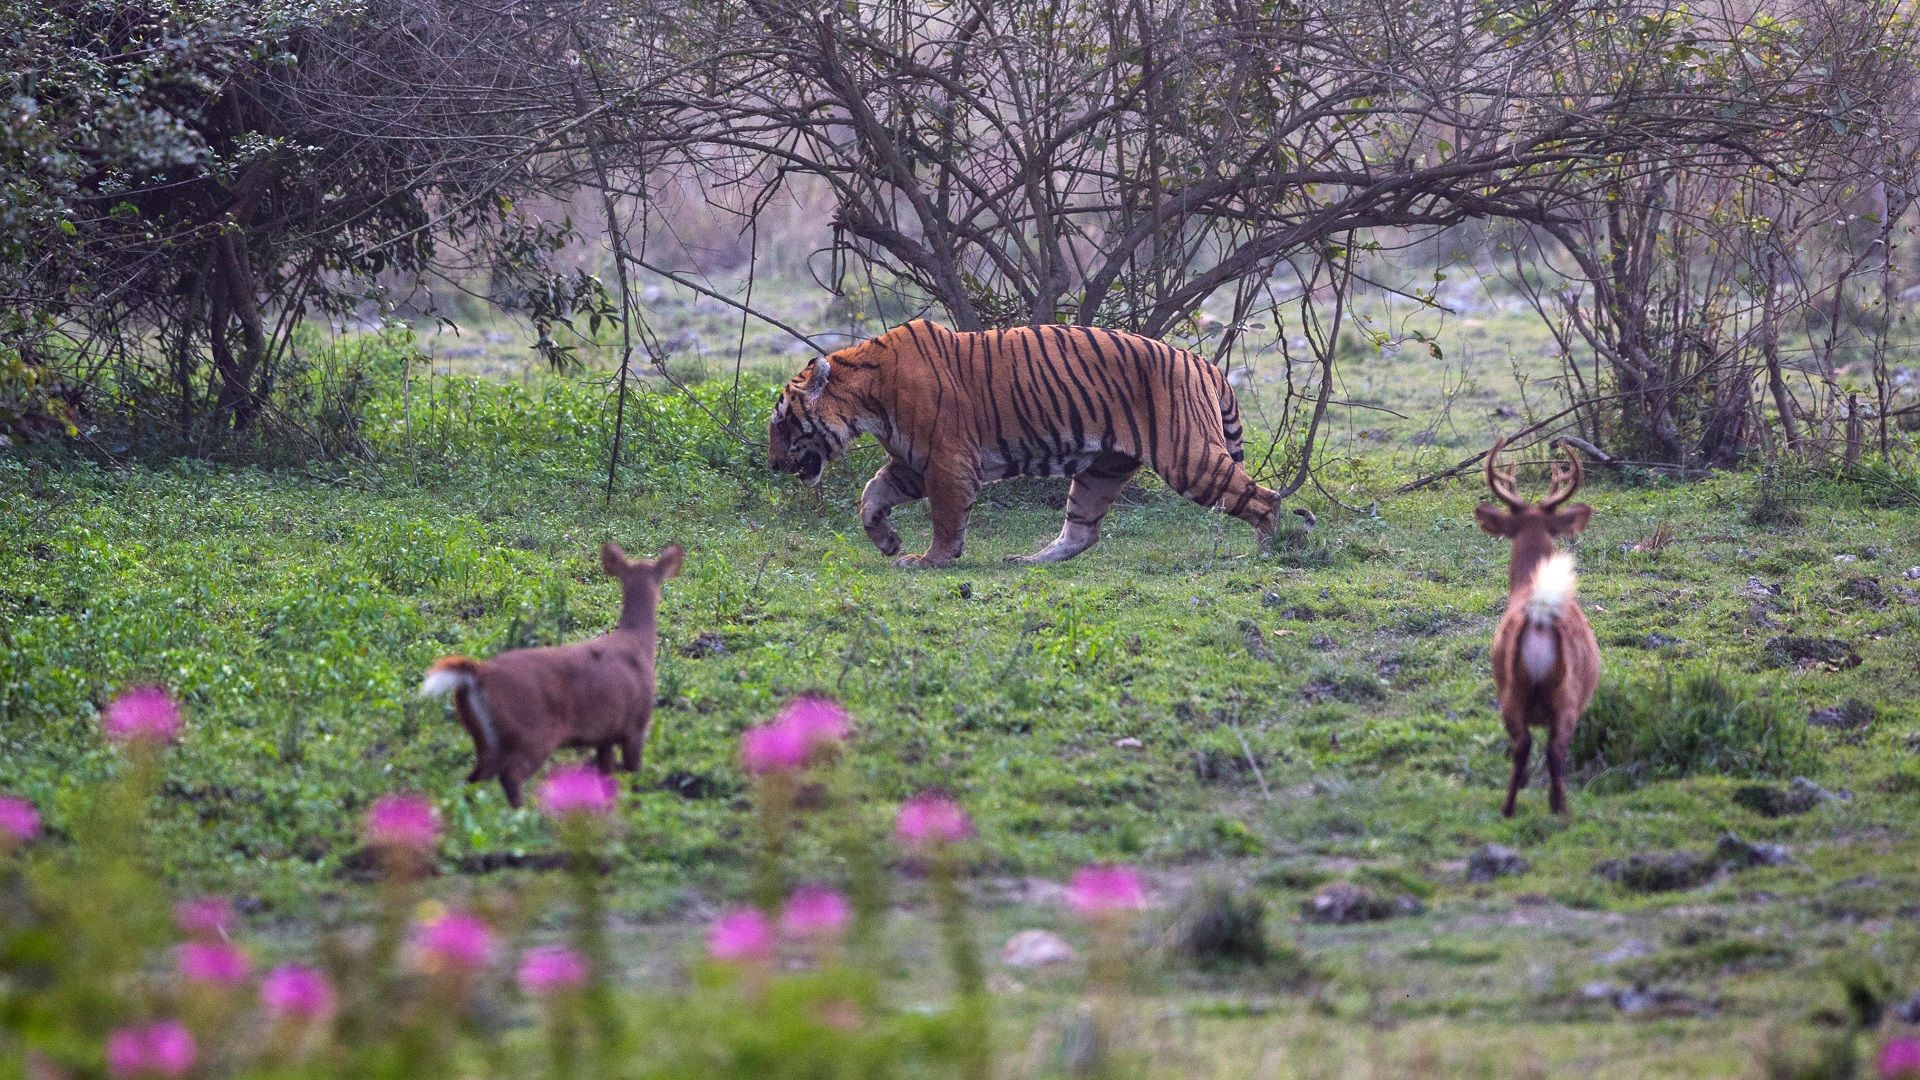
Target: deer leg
[
  {"x": 1522, "y": 752},
  {"x": 1557, "y": 767},
  {"x": 630, "y": 745},
  {"x": 603, "y": 758}
]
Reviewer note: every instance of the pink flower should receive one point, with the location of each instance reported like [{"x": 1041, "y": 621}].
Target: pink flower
[
  {"x": 142, "y": 714},
  {"x": 774, "y": 748},
  {"x": 1102, "y": 890},
  {"x": 403, "y": 823},
  {"x": 815, "y": 911},
  {"x": 821, "y": 722},
  {"x": 296, "y": 992},
  {"x": 455, "y": 942},
  {"x": 578, "y": 792},
  {"x": 1899, "y": 1059},
  {"x": 207, "y": 917},
  {"x": 19, "y": 822},
  {"x": 164, "y": 1049},
  {"x": 215, "y": 963},
  {"x": 743, "y": 935},
  {"x": 927, "y": 822},
  {"x": 548, "y": 971}
]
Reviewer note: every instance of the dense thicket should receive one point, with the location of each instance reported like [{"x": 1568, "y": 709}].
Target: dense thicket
[{"x": 1705, "y": 203}]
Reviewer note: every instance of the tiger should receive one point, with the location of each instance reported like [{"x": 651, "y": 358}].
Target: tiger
[{"x": 956, "y": 410}]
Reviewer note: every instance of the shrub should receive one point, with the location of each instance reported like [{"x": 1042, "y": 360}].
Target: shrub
[
  {"x": 1685, "y": 724},
  {"x": 1219, "y": 927}
]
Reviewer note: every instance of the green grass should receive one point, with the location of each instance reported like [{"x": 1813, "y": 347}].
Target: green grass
[{"x": 294, "y": 611}]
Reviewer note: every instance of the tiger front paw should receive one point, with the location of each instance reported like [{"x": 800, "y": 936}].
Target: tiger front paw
[
  {"x": 920, "y": 562},
  {"x": 884, "y": 537}
]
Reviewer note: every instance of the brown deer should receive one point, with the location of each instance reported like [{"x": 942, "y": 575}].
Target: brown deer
[
  {"x": 522, "y": 705},
  {"x": 1545, "y": 659}
]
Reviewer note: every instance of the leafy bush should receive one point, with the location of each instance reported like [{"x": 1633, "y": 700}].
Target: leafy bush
[{"x": 1685, "y": 724}]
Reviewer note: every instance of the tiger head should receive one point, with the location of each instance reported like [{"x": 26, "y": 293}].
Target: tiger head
[{"x": 809, "y": 427}]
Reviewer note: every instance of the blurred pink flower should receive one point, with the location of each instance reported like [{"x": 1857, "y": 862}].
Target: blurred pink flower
[
  {"x": 578, "y": 792},
  {"x": 1101, "y": 890},
  {"x": 743, "y": 935},
  {"x": 927, "y": 822},
  {"x": 1899, "y": 1059},
  {"x": 205, "y": 917},
  {"x": 820, "y": 721},
  {"x": 815, "y": 911},
  {"x": 403, "y": 822},
  {"x": 163, "y": 1049},
  {"x": 19, "y": 821},
  {"x": 773, "y": 748},
  {"x": 215, "y": 963},
  {"x": 296, "y": 992},
  {"x": 552, "y": 970},
  {"x": 142, "y": 714},
  {"x": 455, "y": 942}
]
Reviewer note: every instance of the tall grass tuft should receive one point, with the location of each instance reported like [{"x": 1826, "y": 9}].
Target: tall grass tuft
[{"x": 1688, "y": 723}]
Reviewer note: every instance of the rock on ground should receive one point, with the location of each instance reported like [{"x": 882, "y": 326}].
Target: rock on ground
[{"x": 1036, "y": 948}]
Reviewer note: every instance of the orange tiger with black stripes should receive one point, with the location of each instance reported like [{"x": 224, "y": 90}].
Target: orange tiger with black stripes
[{"x": 958, "y": 410}]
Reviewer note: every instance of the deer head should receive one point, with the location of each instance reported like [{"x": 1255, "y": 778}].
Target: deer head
[
  {"x": 1532, "y": 527},
  {"x": 640, "y": 581}
]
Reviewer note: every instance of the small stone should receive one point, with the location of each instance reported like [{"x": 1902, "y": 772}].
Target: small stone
[
  {"x": 1256, "y": 640},
  {"x": 1630, "y": 949},
  {"x": 966, "y": 590},
  {"x": 1850, "y": 715},
  {"x": 1863, "y": 588},
  {"x": 1658, "y": 640},
  {"x": 1030, "y": 949},
  {"x": 1321, "y": 643},
  {"x": 1659, "y": 871},
  {"x": 1342, "y": 902},
  {"x": 1769, "y": 800},
  {"x": 1760, "y": 589},
  {"x": 1794, "y": 651},
  {"x": 1911, "y": 573},
  {"x": 1128, "y": 743},
  {"x": 706, "y": 643},
  {"x": 1494, "y": 861},
  {"x": 1271, "y": 599},
  {"x": 1742, "y": 855},
  {"x": 1820, "y": 794},
  {"x": 1845, "y": 559}
]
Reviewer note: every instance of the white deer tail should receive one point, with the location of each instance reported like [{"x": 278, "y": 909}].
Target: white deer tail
[
  {"x": 451, "y": 673},
  {"x": 1553, "y": 588}
]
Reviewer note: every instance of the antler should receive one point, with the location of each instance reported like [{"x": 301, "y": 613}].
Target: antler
[
  {"x": 1566, "y": 480},
  {"x": 1500, "y": 481}
]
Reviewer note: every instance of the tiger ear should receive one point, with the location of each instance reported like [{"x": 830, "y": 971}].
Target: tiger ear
[{"x": 817, "y": 385}]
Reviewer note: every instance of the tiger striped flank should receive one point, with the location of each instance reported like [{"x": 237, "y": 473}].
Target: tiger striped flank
[{"x": 957, "y": 410}]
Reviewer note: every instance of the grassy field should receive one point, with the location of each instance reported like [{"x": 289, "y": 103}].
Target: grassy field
[{"x": 1172, "y": 698}]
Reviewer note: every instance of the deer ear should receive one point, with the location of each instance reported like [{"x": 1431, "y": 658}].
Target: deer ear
[
  {"x": 612, "y": 559},
  {"x": 1493, "y": 520},
  {"x": 668, "y": 564},
  {"x": 1569, "y": 520},
  {"x": 817, "y": 385}
]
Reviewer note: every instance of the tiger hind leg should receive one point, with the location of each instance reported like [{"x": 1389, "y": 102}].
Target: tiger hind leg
[
  {"x": 1217, "y": 480},
  {"x": 1088, "y": 500}
]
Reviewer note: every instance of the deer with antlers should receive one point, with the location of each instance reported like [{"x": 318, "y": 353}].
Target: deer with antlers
[{"x": 1546, "y": 662}]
